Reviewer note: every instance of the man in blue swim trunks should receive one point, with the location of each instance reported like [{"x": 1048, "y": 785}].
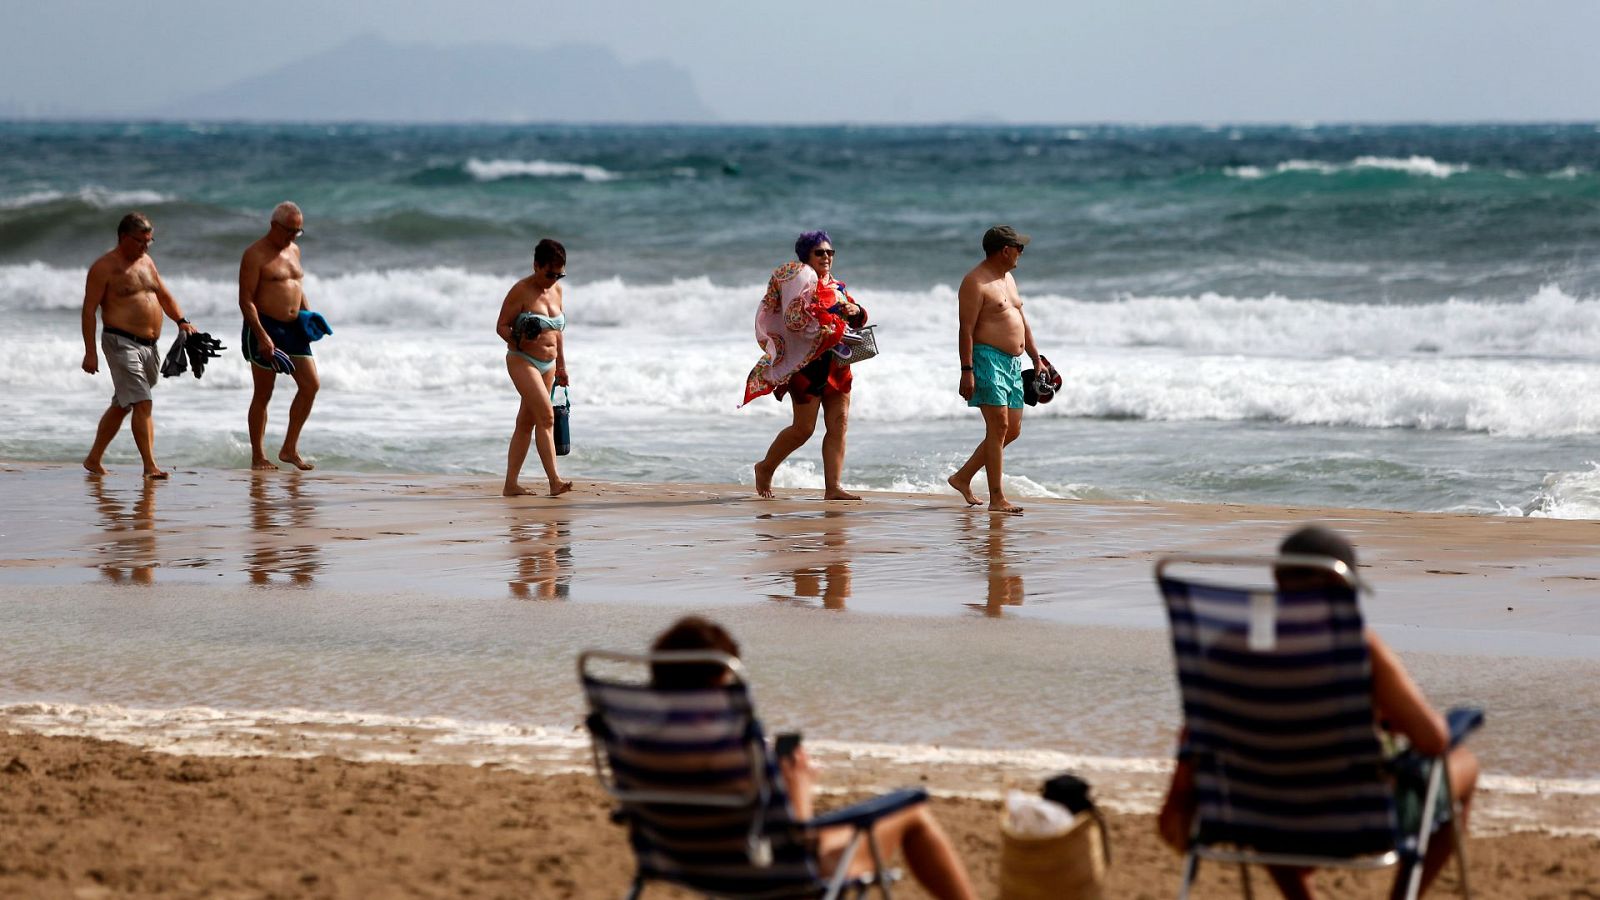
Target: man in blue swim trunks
[
  {"x": 272, "y": 296},
  {"x": 994, "y": 334}
]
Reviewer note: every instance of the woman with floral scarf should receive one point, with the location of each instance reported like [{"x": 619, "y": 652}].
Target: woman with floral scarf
[{"x": 801, "y": 319}]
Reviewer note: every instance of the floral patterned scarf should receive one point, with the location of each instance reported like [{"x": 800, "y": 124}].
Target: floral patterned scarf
[{"x": 793, "y": 328}]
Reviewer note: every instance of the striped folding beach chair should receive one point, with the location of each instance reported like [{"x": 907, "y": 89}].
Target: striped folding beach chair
[
  {"x": 1277, "y": 705},
  {"x": 701, "y": 794}
]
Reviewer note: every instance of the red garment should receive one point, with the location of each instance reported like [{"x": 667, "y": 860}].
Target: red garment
[
  {"x": 797, "y": 325},
  {"x": 823, "y": 375}
]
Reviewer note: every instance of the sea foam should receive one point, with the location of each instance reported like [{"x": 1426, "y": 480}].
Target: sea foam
[
  {"x": 1423, "y": 166},
  {"x": 92, "y": 195},
  {"x": 1518, "y": 369},
  {"x": 207, "y": 731},
  {"x": 1550, "y": 324},
  {"x": 497, "y": 169},
  {"x": 1565, "y": 495}
]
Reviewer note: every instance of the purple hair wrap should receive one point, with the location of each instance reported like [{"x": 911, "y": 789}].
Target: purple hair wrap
[{"x": 808, "y": 241}]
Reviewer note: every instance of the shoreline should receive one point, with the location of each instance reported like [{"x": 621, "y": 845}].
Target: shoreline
[
  {"x": 103, "y": 819},
  {"x": 1506, "y": 804}
]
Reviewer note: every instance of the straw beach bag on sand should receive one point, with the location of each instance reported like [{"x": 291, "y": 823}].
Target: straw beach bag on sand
[
  {"x": 1058, "y": 859},
  {"x": 1067, "y": 866}
]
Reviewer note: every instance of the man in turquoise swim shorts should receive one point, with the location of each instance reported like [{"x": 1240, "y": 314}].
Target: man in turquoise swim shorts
[{"x": 993, "y": 336}]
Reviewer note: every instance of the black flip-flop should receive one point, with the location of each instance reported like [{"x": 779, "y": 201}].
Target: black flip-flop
[{"x": 176, "y": 362}]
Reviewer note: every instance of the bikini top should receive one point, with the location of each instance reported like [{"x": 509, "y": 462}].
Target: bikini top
[
  {"x": 529, "y": 324},
  {"x": 559, "y": 323}
]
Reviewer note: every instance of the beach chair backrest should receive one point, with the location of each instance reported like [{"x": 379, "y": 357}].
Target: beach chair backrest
[
  {"x": 697, "y": 787},
  {"x": 1277, "y": 703}
]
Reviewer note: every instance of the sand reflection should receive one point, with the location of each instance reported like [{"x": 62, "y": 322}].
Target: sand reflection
[
  {"x": 988, "y": 540},
  {"x": 824, "y": 542},
  {"x": 278, "y": 508},
  {"x": 543, "y": 560},
  {"x": 130, "y": 522}
]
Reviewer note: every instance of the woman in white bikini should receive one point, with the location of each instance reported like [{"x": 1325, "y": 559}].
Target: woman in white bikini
[{"x": 532, "y": 325}]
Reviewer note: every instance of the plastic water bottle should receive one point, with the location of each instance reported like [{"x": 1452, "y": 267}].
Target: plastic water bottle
[{"x": 563, "y": 426}]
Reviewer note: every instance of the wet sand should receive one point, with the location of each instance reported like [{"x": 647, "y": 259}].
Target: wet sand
[
  {"x": 427, "y": 619},
  {"x": 1472, "y": 583}
]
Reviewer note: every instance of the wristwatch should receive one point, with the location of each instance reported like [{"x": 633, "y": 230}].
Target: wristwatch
[
  {"x": 966, "y": 368},
  {"x": 183, "y": 321}
]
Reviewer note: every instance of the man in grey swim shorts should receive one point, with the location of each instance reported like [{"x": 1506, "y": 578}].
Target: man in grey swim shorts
[
  {"x": 130, "y": 297},
  {"x": 993, "y": 336}
]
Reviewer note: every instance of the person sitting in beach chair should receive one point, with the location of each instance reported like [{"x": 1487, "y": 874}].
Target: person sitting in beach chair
[
  {"x": 1289, "y": 702},
  {"x": 710, "y": 807}
]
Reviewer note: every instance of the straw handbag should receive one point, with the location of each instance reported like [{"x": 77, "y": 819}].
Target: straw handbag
[{"x": 1066, "y": 866}]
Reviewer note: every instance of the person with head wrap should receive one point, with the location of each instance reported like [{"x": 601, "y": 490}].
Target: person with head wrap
[{"x": 802, "y": 317}]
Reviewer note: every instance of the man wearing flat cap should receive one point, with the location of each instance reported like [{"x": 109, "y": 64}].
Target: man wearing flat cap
[{"x": 993, "y": 336}]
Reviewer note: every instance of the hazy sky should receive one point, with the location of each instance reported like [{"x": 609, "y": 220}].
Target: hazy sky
[{"x": 885, "y": 60}]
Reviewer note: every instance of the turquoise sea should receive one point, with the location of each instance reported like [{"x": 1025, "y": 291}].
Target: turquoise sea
[{"x": 1400, "y": 317}]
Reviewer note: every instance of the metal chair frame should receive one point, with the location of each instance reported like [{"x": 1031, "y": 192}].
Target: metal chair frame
[
  {"x": 861, "y": 815},
  {"x": 1438, "y": 769}
]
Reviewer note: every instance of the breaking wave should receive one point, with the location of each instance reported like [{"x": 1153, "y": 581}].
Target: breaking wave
[
  {"x": 1422, "y": 166},
  {"x": 499, "y": 169},
  {"x": 89, "y": 195}
]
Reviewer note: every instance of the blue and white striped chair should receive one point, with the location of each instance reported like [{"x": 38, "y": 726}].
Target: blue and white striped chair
[
  {"x": 701, "y": 794},
  {"x": 1277, "y": 705}
]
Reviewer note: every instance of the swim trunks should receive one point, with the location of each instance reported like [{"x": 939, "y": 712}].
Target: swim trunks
[
  {"x": 135, "y": 367},
  {"x": 998, "y": 375},
  {"x": 290, "y": 337}
]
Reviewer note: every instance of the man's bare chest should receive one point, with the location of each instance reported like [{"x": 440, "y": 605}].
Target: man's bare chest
[
  {"x": 131, "y": 283},
  {"x": 998, "y": 304},
  {"x": 282, "y": 268}
]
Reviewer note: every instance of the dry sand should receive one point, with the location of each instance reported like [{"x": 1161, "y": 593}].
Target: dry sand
[{"x": 85, "y": 819}]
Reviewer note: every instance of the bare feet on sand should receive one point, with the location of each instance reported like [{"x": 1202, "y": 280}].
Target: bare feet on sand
[
  {"x": 840, "y": 494},
  {"x": 964, "y": 488},
  {"x": 1002, "y": 505},
  {"x": 517, "y": 490},
  {"x": 94, "y": 468},
  {"x": 763, "y": 482},
  {"x": 294, "y": 459},
  {"x": 262, "y": 464},
  {"x": 155, "y": 474}
]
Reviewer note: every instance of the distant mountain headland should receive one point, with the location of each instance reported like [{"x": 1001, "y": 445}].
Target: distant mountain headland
[{"x": 369, "y": 79}]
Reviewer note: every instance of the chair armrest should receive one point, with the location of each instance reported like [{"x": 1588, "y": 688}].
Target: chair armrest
[
  {"x": 1462, "y": 721},
  {"x": 869, "y": 811}
]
